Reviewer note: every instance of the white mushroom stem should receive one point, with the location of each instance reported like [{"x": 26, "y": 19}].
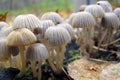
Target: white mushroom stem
[
  {"x": 10, "y": 61},
  {"x": 39, "y": 72},
  {"x": 60, "y": 56},
  {"x": 51, "y": 60},
  {"x": 102, "y": 37},
  {"x": 91, "y": 37},
  {"x": 33, "y": 67},
  {"x": 23, "y": 61}
]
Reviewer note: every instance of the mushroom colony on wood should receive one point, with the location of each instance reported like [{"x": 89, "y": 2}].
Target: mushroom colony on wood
[{"x": 57, "y": 39}]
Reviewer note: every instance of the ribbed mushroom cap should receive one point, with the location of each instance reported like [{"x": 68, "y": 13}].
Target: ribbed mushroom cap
[
  {"x": 56, "y": 36},
  {"x": 28, "y": 21},
  {"x": 6, "y": 32},
  {"x": 110, "y": 20},
  {"x": 96, "y": 10},
  {"x": 117, "y": 12},
  {"x": 4, "y": 52},
  {"x": 20, "y": 37},
  {"x": 69, "y": 28},
  {"x": 83, "y": 19},
  {"x": 45, "y": 25},
  {"x": 55, "y": 17},
  {"x": 71, "y": 17},
  {"x": 37, "y": 52},
  {"x": 3, "y": 25},
  {"x": 105, "y": 5}
]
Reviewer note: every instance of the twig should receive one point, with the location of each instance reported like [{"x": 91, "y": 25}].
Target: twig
[{"x": 104, "y": 45}]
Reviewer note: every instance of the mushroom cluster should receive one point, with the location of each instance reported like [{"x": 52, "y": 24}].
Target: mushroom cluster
[{"x": 44, "y": 40}]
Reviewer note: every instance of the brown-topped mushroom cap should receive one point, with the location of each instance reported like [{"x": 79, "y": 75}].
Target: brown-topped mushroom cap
[{"x": 20, "y": 37}]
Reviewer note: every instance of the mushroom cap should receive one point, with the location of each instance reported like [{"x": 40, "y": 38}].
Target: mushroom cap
[
  {"x": 105, "y": 5},
  {"x": 117, "y": 12},
  {"x": 20, "y": 37},
  {"x": 37, "y": 52},
  {"x": 96, "y": 10},
  {"x": 71, "y": 17},
  {"x": 110, "y": 20},
  {"x": 28, "y": 21},
  {"x": 69, "y": 28},
  {"x": 5, "y": 32},
  {"x": 83, "y": 19},
  {"x": 3, "y": 25},
  {"x": 55, "y": 17},
  {"x": 45, "y": 25},
  {"x": 4, "y": 52},
  {"x": 57, "y": 36}
]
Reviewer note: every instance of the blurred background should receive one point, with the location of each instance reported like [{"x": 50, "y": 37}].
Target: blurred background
[{"x": 16, "y": 7}]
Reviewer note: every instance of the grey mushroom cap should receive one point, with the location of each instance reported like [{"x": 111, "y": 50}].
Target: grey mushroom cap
[
  {"x": 28, "y": 21},
  {"x": 46, "y": 24},
  {"x": 3, "y": 25},
  {"x": 105, "y": 5},
  {"x": 69, "y": 28},
  {"x": 37, "y": 52},
  {"x": 57, "y": 36},
  {"x": 96, "y": 10},
  {"x": 117, "y": 12},
  {"x": 55, "y": 17},
  {"x": 110, "y": 20},
  {"x": 5, "y": 32},
  {"x": 70, "y": 18},
  {"x": 83, "y": 19}
]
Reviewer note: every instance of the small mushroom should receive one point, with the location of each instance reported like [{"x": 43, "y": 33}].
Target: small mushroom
[
  {"x": 56, "y": 39},
  {"x": 105, "y": 5},
  {"x": 28, "y": 21},
  {"x": 36, "y": 52},
  {"x": 22, "y": 37},
  {"x": 86, "y": 21},
  {"x": 98, "y": 13},
  {"x": 55, "y": 17},
  {"x": 110, "y": 23}
]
